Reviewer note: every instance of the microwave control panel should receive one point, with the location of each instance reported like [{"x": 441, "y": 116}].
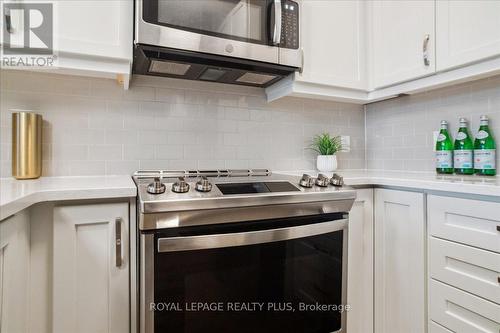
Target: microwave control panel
[{"x": 289, "y": 25}]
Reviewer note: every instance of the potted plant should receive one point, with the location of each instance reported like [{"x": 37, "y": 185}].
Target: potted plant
[{"x": 327, "y": 147}]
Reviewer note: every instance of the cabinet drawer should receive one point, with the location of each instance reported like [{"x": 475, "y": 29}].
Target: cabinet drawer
[
  {"x": 462, "y": 312},
  {"x": 473, "y": 270},
  {"x": 436, "y": 328},
  {"x": 471, "y": 222}
]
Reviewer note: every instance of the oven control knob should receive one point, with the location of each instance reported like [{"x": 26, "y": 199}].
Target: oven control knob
[
  {"x": 203, "y": 185},
  {"x": 337, "y": 180},
  {"x": 306, "y": 181},
  {"x": 156, "y": 187},
  {"x": 181, "y": 186},
  {"x": 322, "y": 180}
]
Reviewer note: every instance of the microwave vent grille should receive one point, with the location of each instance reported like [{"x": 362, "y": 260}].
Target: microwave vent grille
[
  {"x": 168, "y": 67},
  {"x": 255, "y": 78}
]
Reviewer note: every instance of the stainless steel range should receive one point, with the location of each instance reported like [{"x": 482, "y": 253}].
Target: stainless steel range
[{"x": 242, "y": 250}]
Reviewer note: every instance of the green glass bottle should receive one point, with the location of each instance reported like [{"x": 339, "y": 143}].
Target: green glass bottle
[
  {"x": 444, "y": 150},
  {"x": 484, "y": 150},
  {"x": 462, "y": 153}
]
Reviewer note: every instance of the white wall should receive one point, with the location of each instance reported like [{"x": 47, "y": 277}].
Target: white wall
[
  {"x": 399, "y": 131},
  {"x": 94, "y": 127}
]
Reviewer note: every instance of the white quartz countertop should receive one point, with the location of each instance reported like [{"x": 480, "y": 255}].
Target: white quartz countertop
[
  {"x": 478, "y": 185},
  {"x": 16, "y": 195}
]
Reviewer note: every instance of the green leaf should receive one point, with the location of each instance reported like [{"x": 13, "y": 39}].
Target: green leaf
[{"x": 324, "y": 144}]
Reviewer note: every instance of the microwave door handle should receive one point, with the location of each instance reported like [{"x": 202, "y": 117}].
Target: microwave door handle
[
  {"x": 190, "y": 243},
  {"x": 276, "y": 29}
]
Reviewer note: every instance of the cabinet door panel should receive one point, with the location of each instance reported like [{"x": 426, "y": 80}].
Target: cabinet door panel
[
  {"x": 360, "y": 264},
  {"x": 398, "y": 32},
  {"x": 14, "y": 273},
  {"x": 466, "y": 31},
  {"x": 399, "y": 262},
  {"x": 97, "y": 28},
  {"x": 87, "y": 281},
  {"x": 333, "y": 40}
]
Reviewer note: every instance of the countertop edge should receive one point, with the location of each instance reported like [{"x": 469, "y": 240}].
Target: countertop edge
[
  {"x": 471, "y": 189},
  {"x": 109, "y": 187},
  {"x": 453, "y": 184},
  {"x": 46, "y": 193}
]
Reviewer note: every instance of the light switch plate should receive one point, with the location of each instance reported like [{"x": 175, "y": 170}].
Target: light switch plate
[{"x": 346, "y": 143}]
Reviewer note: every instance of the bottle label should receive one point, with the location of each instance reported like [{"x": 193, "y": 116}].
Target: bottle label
[
  {"x": 461, "y": 136},
  {"x": 444, "y": 159},
  {"x": 482, "y": 135},
  {"x": 484, "y": 159},
  {"x": 462, "y": 159},
  {"x": 441, "y": 137}
]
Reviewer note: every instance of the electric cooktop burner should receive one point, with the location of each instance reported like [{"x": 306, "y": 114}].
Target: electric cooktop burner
[{"x": 166, "y": 191}]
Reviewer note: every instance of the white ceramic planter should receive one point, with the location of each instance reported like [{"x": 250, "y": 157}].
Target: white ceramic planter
[{"x": 326, "y": 163}]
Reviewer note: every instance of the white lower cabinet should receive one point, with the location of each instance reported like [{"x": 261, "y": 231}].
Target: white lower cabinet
[
  {"x": 464, "y": 264},
  {"x": 400, "y": 294},
  {"x": 436, "y": 328},
  {"x": 468, "y": 268},
  {"x": 14, "y": 273},
  {"x": 360, "y": 264},
  {"x": 462, "y": 312},
  {"x": 466, "y": 221},
  {"x": 91, "y": 269}
]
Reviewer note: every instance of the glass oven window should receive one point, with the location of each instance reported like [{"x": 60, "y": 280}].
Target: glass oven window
[
  {"x": 244, "y": 20},
  {"x": 278, "y": 283}
]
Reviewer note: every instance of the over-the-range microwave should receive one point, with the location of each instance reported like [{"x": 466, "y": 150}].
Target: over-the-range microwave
[{"x": 248, "y": 42}]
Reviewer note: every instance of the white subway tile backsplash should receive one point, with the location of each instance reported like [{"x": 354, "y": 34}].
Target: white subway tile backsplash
[
  {"x": 61, "y": 151},
  {"x": 92, "y": 126},
  {"x": 165, "y": 152},
  {"x": 119, "y": 136},
  {"x": 237, "y": 114},
  {"x": 121, "y": 167},
  {"x": 86, "y": 168},
  {"x": 138, "y": 152},
  {"x": 105, "y": 152},
  {"x": 151, "y": 137},
  {"x": 411, "y": 120}
]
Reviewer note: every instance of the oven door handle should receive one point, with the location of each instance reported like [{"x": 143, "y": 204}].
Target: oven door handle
[{"x": 190, "y": 243}]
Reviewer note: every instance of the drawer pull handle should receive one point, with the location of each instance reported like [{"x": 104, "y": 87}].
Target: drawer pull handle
[
  {"x": 498, "y": 279},
  {"x": 498, "y": 227}
]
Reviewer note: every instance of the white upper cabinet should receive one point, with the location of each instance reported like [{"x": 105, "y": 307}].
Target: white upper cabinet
[
  {"x": 89, "y": 37},
  {"x": 466, "y": 31},
  {"x": 97, "y": 28},
  {"x": 402, "y": 38},
  {"x": 333, "y": 43}
]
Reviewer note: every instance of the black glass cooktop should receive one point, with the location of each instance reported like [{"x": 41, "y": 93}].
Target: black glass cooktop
[{"x": 256, "y": 187}]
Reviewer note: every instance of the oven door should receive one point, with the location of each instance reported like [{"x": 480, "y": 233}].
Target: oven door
[
  {"x": 246, "y": 277},
  {"x": 236, "y": 28}
]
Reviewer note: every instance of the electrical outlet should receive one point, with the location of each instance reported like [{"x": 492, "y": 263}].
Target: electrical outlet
[
  {"x": 346, "y": 143},
  {"x": 435, "y": 135}
]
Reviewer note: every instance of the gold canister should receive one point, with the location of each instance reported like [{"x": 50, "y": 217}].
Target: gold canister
[{"x": 26, "y": 145}]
